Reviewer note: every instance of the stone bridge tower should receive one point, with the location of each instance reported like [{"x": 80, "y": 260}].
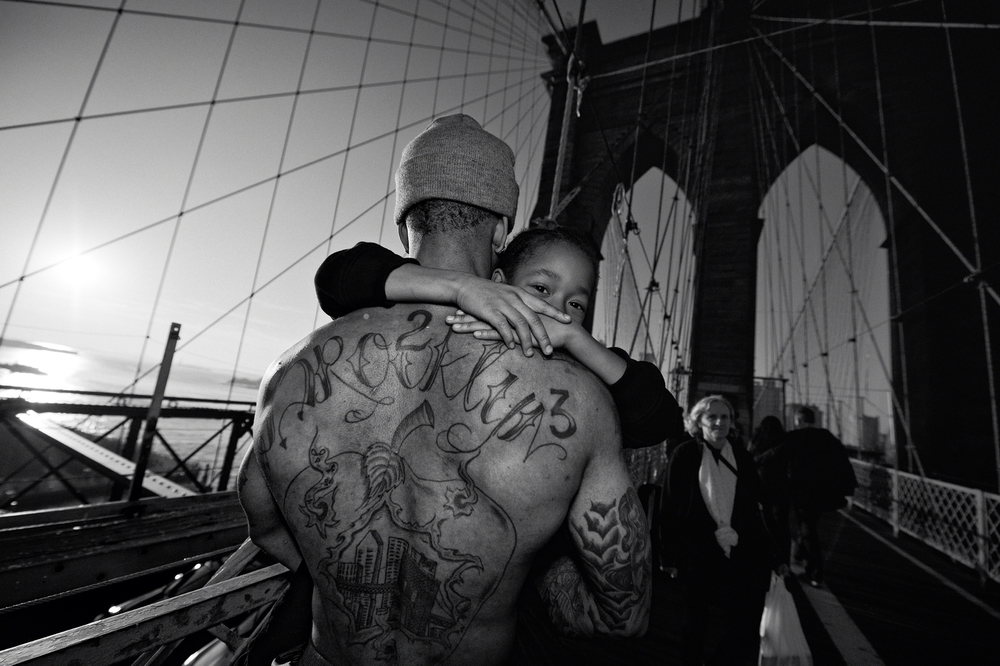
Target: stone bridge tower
[{"x": 869, "y": 82}]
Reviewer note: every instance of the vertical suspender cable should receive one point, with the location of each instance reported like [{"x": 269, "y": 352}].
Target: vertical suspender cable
[
  {"x": 572, "y": 73},
  {"x": 893, "y": 244},
  {"x": 859, "y": 405},
  {"x": 990, "y": 374}
]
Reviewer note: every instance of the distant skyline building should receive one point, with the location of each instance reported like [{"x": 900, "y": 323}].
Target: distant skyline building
[{"x": 769, "y": 400}]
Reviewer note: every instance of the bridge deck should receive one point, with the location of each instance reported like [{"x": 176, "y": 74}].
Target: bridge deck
[{"x": 887, "y": 601}]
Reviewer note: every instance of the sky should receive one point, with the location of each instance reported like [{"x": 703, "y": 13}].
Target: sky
[{"x": 158, "y": 207}]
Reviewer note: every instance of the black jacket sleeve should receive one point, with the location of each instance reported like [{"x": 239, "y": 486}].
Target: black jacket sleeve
[
  {"x": 649, "y": 413},
  {"x": 355, "y": 278}
]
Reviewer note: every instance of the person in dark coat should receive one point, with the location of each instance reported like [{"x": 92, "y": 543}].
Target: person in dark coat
[
  {"x": 771, "y": 453},
  {"x": 713, "y": 527},
  {"x": 821, "y": 478}
]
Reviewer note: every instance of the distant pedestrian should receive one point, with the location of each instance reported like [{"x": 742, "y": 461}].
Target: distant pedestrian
[
  {"x": 821, "y": 478},
  {"x": 770, "y": 451}
]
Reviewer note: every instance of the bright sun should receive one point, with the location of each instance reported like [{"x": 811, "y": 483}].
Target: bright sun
[{"x": 81, "y": 270}]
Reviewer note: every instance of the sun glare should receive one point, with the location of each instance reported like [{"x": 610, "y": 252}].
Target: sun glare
[{"x": 81, "y": 270}]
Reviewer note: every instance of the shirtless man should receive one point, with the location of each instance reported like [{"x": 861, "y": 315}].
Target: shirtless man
[{"x": 418, "y": 473}]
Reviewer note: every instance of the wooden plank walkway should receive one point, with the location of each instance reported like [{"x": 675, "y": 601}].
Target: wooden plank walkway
[{"x": 887, "y": 601}]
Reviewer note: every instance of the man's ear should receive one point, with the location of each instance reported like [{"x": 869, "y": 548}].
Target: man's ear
[
  {"x": 499, "y": 235},
  {"x": 498, "y": 276},
  {"x": 404, "y": 236}
]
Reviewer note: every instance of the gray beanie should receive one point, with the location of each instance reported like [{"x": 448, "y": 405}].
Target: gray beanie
[{"x": 456, "y": 159}]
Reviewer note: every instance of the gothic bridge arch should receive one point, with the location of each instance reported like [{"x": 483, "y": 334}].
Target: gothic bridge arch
[{"x": 733, "y": 97}]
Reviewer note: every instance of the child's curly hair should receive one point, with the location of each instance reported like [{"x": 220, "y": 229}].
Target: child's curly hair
[{"x": 530, "y": 241}]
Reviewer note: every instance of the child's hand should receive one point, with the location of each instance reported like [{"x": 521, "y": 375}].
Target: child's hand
[
  {"x": 559, "y": 334},
  {"x": 512, "y": 313}
]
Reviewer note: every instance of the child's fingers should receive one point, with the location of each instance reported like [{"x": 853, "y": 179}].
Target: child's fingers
[
  {"x": 471, "y": 326},
  {"x": 460, "y": 318}
]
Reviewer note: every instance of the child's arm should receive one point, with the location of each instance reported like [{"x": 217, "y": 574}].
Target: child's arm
[
  {"x": 369, "y": 275},
  {"x": 355, "y": 278},
  {"x": 648, "y": 412}
]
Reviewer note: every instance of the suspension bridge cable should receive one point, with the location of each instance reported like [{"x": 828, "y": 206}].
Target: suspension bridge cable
[
  {"x": 642, "y": 98},
  {"x": 315, "y": 248},
  {"x": 632, "y": 225},
  {"x": 468, "y": 56},
  {"x": 412, "y": 14},
  {"x": 850, "y": 248},
  {"x": 893, "y": 244},
  {"x": 658, "y": 245},
  {"x": 680, "y": 327},
  {"x": 270, "y": 209},
  {"x": 324, "y": 242},
  {"x": 59, "y": 171},
  {"x": 882, "y": 167},
  {"x": 492, "y": 21},
  {"x": 395, "y": 137},
  {"x": 738, "y": 42},
  {"x": 779, "y": 294},
  {"x": 556, "y": 34},
  {"x": 808, "y": 288},
  {"x": 767, "y": 132},
  {"x": 255, "y": 98},
  {"x": 555, "y": 5},
  {"x": 842, "y": 259},
  {"x": 187, "y": 190},
  {"x": 977, "y": 251},
  {"x": 503, "y": 100},
  {"x": 821, "y": 213},
  {"x": 228, "y": 195},
  {"x": 528, "y": 185},
  {"x": 943, "y": 25}
]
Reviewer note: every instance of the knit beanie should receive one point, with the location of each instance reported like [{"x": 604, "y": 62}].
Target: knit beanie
[{"x": 456, "y": 159}]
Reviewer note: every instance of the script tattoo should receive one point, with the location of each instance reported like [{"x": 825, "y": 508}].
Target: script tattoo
[
  {"x": 418, "y": 364},
  {"x": 615, "y": 551},
  {"x": 396, "y": 519}
]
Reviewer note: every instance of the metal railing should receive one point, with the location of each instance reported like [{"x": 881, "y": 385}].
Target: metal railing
[
  {"x": 150, "y": 633},
  {"x": 963, "y": 523},
  {"x": 193, "y": 442}
]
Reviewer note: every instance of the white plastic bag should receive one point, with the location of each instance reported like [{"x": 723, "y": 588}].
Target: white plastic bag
[{"x": 782, "y": 641}]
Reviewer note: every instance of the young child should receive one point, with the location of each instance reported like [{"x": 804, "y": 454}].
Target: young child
[{"x": 556, "y": 266}]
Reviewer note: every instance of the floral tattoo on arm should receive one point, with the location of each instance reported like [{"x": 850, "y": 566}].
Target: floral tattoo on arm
[{"x": 606, "y": 590}]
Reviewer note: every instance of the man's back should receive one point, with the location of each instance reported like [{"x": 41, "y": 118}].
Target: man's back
[{"x": 419, "y": 472}]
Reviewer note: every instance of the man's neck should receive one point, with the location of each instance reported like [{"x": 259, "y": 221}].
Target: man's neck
[{"x": 438, "y": 251}]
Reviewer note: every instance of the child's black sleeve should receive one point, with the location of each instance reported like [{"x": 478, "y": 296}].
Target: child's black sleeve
[
  {"x": 355, "y": 278},
  {"x": 649, "y": 413}
]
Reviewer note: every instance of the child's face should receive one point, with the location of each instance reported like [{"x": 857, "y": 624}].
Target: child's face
[{"x": 559, "y": 274}]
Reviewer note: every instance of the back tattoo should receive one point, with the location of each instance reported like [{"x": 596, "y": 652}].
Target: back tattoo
[{"x": 397, "y": 517}]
